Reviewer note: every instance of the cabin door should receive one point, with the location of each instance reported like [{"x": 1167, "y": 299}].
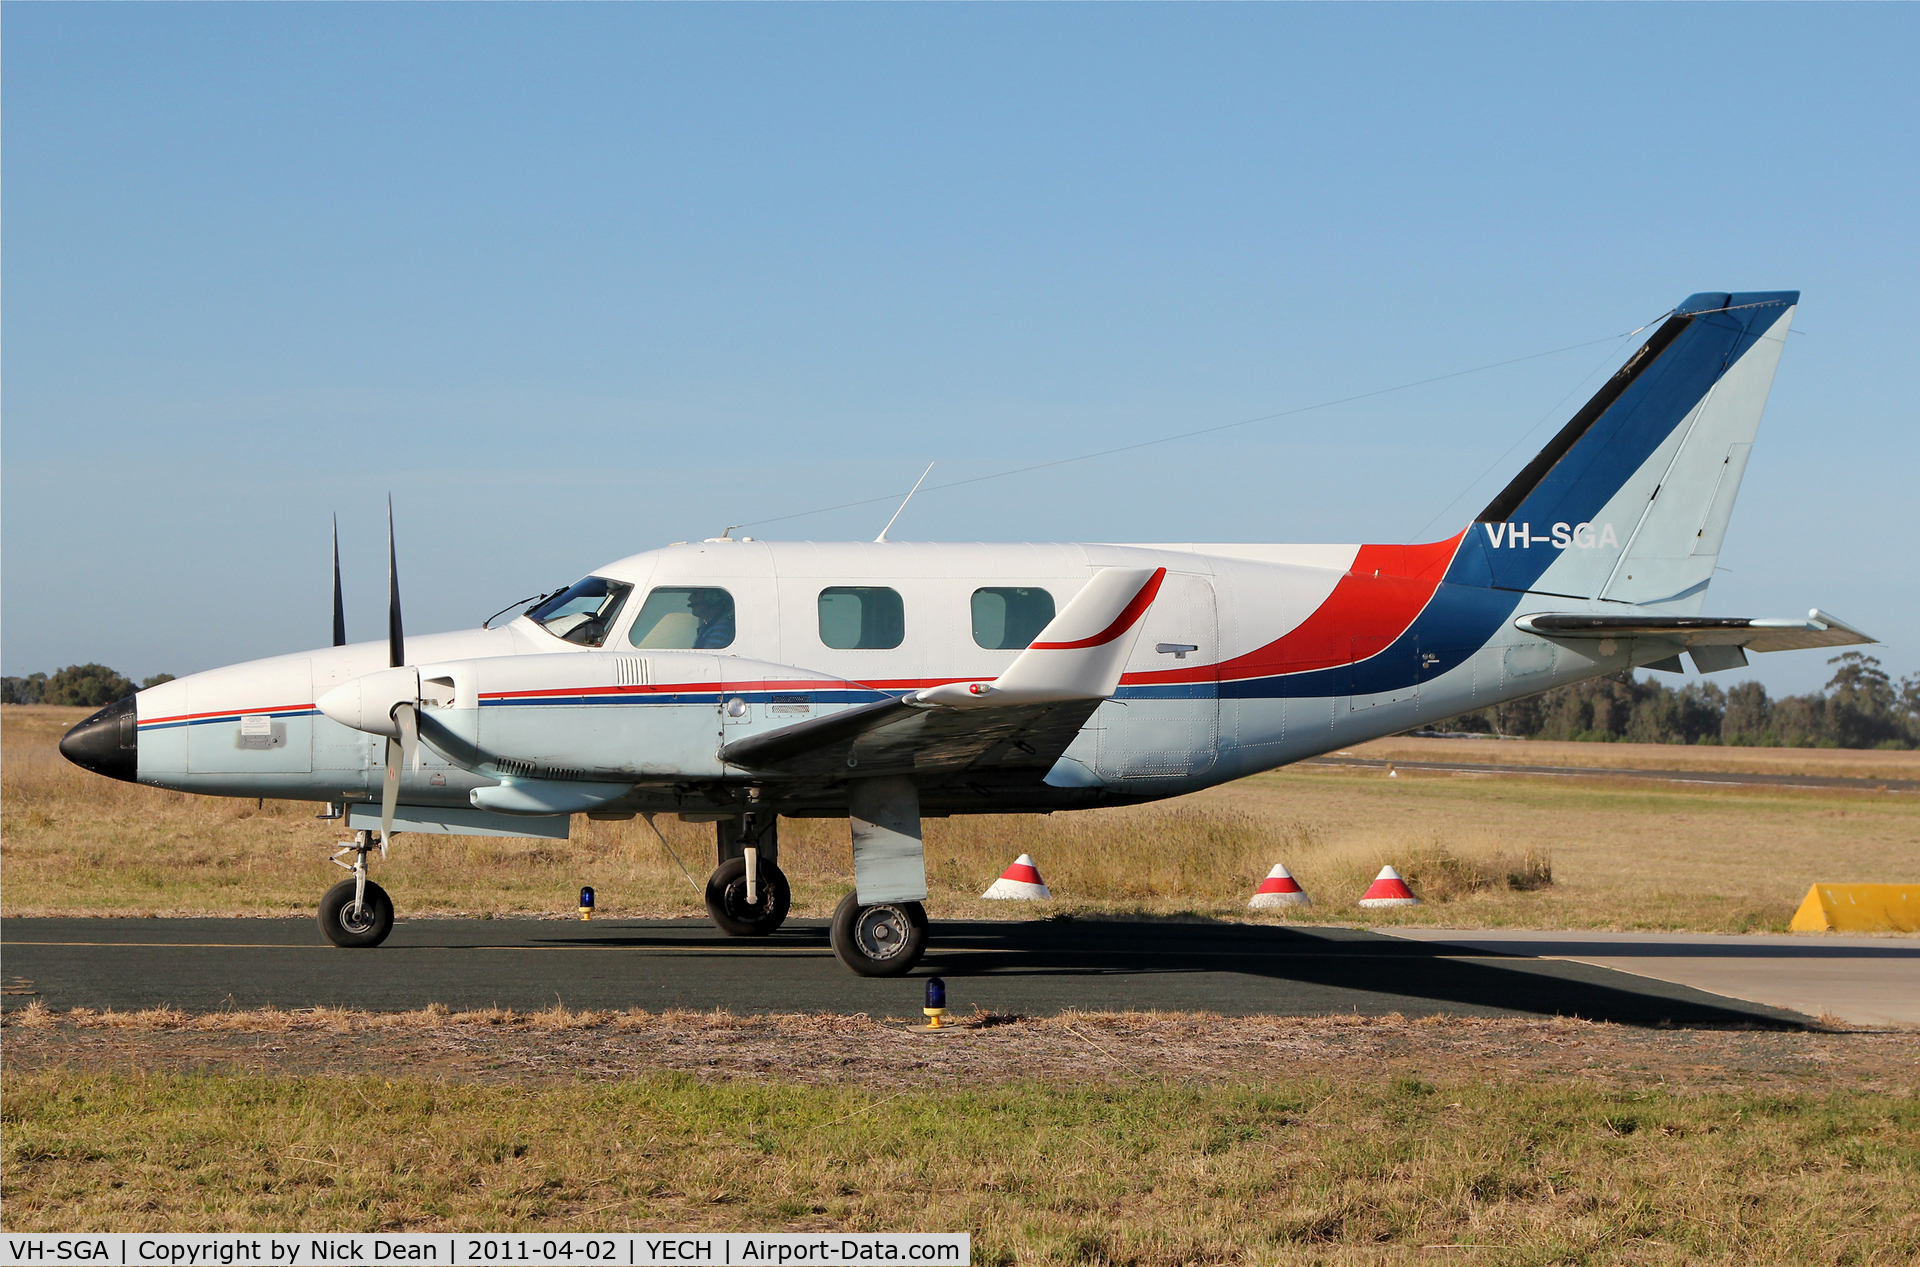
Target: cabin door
[{"x": 1165, "y": 719}]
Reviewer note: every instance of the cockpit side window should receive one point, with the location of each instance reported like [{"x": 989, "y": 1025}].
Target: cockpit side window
[
  {"x": 684, "y": 618},
  {"x": 583, "y": 612}
]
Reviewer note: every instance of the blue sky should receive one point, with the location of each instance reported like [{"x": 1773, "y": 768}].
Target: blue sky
[{"x": 576, "y": 281}]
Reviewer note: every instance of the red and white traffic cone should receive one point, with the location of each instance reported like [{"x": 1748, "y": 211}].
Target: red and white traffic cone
[
  {"x": 1277, "y": 890},
  {"x": 1388, "y": 889},
  {"x": 1019, "y": 882}
]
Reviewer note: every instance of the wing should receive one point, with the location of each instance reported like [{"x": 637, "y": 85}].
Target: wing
[
  {"x": 899, "y": 736},
  {"x": 1025, "y": 718}
]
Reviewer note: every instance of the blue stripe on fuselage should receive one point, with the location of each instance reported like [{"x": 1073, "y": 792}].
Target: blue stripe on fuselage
[
  {"x": 1456, "y": 622},
  {"x": 1622, "y": 438}
]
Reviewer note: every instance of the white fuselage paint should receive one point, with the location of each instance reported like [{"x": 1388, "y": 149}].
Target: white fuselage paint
[{"x": 252, "y": 729}]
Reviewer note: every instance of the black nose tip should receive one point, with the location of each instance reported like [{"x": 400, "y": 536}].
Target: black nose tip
[{"x": 106, "y": 743}]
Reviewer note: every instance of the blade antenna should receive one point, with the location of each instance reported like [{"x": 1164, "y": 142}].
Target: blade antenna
[
  {"x": 903, "y": 502},
  {"x": 396, "y": 639},
  {"x": 339, "y": 606}
]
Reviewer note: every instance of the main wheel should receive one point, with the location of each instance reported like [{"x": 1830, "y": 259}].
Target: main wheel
[
  {"x": 346, "y": 926},
  {"x": 879, "y": 941},
  {"x": 727, "y": 899}
]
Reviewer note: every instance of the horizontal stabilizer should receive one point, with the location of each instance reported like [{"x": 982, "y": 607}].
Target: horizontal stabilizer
[{"x": 1777, "y": 633}]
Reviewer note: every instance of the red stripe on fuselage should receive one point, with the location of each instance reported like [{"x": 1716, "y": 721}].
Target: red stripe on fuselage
[
  {"x": 225, "y": 712},
  {"x": 1383, "y": 590}
]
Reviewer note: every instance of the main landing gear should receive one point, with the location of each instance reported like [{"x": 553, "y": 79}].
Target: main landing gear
[
  {"x": 748, "y": 896},
  {"x": 356, "y": 912},
  {"x": 884, "y": 940}
]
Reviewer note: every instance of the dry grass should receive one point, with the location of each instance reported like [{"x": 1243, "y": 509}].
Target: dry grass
[
  {"x": 1845, "y": 763},
  {"x": 1151, "y": 1172},
  {"x": 1485, "y": 851}
]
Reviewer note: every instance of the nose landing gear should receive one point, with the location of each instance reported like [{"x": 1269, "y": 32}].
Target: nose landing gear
[
  {"x": 748, "y": 895},
  {"x": 356, "y": 913},
  {"x": 735, "y": 912}
]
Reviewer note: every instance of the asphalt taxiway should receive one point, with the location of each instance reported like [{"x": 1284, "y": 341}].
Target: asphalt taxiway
[{"x": 1009, "y": 967}]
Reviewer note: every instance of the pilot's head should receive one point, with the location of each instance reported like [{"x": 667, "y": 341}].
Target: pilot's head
[{"x": 705, "y": 605}]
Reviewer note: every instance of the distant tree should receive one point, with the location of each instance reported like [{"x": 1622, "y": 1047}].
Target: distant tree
[
  {"x": 156, "y": 680},
  {"x": 87, "y": 685},
  {"x": 1863, "y": 709},
  {"x": 1748, "y": 717},
  {"x": 23, "y": 690}
]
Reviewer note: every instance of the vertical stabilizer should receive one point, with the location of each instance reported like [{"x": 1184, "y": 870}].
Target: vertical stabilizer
[{"x": 1630, "y": 501}]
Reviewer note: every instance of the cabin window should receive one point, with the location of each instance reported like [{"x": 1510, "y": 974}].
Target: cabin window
[
  {"x": 584, "y": 611},
  {"x": 1009, "y": 619},
  {"x": 862, "y": 617},
  {"x": 684, "y": 618}
]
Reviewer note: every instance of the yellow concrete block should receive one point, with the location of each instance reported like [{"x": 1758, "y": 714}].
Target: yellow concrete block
[{"x": 1859, "y": 908}]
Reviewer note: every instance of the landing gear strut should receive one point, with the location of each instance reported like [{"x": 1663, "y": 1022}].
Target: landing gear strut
[
  {"x": 356, "y": 912},
  {"x": 886, "y": 937},
  {"x": 747, "y": 895}
]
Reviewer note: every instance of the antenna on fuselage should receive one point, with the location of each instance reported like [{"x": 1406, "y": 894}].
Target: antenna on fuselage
[
  {"x": 903, "y": 503},
  {"x": 339, "y": 606}
]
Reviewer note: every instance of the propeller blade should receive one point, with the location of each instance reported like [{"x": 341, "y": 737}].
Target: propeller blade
[
  {"x": 409, "y": 719},
  {"x": 389, "y": 794},
  {"x": 396, "y": 639},
  {"x": 339, "y": 607}
]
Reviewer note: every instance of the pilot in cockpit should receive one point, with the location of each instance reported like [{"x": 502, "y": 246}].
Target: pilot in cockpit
[{"x": 714, "y": 610}]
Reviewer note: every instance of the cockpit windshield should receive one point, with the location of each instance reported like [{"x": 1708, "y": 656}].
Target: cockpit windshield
[{"x": 584, "y": 611}]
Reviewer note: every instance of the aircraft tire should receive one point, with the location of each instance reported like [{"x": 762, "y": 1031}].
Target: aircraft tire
[
  {"x": 885, "y": 940},
  {"x": 369, "y": 928},
  {"x": 727, "y": 899}
]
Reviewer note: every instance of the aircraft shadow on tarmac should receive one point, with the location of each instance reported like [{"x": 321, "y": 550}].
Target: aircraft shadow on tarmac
[
  {"x": 1343, "y": 960},
  {"x": 1685, "y": 949}
]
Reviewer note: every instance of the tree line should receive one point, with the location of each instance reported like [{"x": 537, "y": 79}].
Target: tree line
[
  {"x": 1861, "y": 707},
  {"x": 84, "y": 685}
]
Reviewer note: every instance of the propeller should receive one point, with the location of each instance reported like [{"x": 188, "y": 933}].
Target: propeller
[
  {"x": 406, "y": 714},
  {"x": 339, "y": 606}
]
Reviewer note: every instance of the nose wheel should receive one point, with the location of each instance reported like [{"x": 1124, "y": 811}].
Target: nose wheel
[
  {"x": 884, "y": 940},
  {"x": 356, "y": 913},
  {"x": 737, "y": 914}
]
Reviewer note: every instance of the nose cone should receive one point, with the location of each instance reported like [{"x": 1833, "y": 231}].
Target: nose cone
[{"x": 106, "y": 743}]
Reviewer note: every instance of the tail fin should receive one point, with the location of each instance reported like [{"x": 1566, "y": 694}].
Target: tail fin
[{"x": 1630, "y": 501}]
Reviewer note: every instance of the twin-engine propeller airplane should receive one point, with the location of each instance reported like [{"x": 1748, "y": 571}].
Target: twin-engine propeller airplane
[{"x": 736, "y": 681}]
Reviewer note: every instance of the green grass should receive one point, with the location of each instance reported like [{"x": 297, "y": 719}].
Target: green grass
[{"x": 1144, "y": 1173}]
